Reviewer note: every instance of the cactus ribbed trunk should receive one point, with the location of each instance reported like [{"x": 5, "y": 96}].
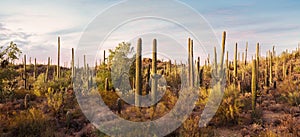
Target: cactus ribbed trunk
[
  {"x": 235, "y": 65},
  {"x": 246, "y": 53},
  {"x": 47, "y": 70},
  {"x": 106, "y": 85},
  {"x": 24, "y": 73},
  {"x": 253, "y": 84},
  {"x": 216, "y": 61},
  {"x": 84, "y": 64},
  {"x": 198, "y": 71},
  {"x": 271, "y": 65},
  {"x": 191, "y": 64},
  {"x": 138, "y": 72},
  {"x": 257, "y": 61},
  {"x": 154, "y": 72},
  {"x": 34, "y": 70},
  {"x": 72, "y": 66},
  {"x": 104, "y": 57},
  {"x": 58, "y": 60}
]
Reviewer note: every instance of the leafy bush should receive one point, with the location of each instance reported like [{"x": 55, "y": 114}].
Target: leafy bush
[{"x": 230, "y": 108}]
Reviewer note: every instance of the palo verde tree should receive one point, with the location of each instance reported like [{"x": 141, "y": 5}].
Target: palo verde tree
[
  {"x": 119, "y": 68},
  {"x": 7, "y": 74}
]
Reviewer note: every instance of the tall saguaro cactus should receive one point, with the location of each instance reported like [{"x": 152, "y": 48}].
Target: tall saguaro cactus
[
  {"x": 47, "y": 70},
  {"x": 154, "y": 71},
  {"x": 73, "y": 66},
  {"x": 271, "y": 65},
  {"x": 138, "y": 72},
  {"x": 235, "y": 65},
  {"x": 24, "y": 76},
  {"x": 34, "y": 69},
  {"x": 253, "y": 84},
  {"x": 191, "y": 63},
  {"x": 58, "y": 59},
  {"x": 257, "y": 62},
  {"x": 246, "y": 53}
]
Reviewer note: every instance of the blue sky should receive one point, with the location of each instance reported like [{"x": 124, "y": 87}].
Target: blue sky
[{"x": 35, "y": 25}]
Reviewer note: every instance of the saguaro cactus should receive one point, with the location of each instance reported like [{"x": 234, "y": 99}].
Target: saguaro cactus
[
  {"x": 72, "y": 65},
  {"x": 154, "y": 74},
  {"x": 253, "y": 84},
  {"x": 271, "y": 65},
  {"x": 106, "y": 85},
  {"x": 104, "y": 57},
  {"x": 34, "y": 69},
  {"x": 47, "y": 70},
  {"x": 235, "y": 65},
  {"x": 191, "y": 63},
  {"x": 257, "y": 61},
  {"x": 26, "y": 100},
  {"x": 119, "y": 105},
  {"x": 246, "y": 53},
  {"x": 24, "y": 76},
  {"x": 58, "y": 59},
  {"x": 138, "y": 72}
]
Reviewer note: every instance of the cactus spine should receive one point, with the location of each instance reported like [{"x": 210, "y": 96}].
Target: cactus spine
[
  {"x": 138, "y": 72},
  {"x": 253, "y": 84},
  {"x": 58, "y": 59}
]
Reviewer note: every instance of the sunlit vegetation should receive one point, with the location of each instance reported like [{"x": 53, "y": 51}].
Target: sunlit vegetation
[{"x": 261, "y": 96}]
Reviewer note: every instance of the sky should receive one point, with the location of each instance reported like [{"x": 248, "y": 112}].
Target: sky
[{"x": 34, "y": 26}]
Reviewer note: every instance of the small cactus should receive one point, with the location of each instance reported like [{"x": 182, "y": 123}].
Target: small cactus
[
  {"x": 106, "y": 86},
  {"x": 68, "y": 119},
  {"x": 26, "y": 101},
  {"x": 119, "y": 105}
]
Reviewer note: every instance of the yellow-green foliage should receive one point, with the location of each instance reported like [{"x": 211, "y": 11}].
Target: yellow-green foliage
[
  {"x": 40, "y": 87},
  {"x": 54, "y": 99},
  {"x": 230, "y": 108},
  {"x": 31, "y": 122}
]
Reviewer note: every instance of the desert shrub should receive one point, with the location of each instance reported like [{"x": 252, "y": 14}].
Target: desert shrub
[
  {"x": 54, "y": 98},
  {"x": 293, "y": 98},
  {"x": 230, "y": 108},
  {"x": 31, "y": 122},
  {"x": 40, "y": 87}
]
